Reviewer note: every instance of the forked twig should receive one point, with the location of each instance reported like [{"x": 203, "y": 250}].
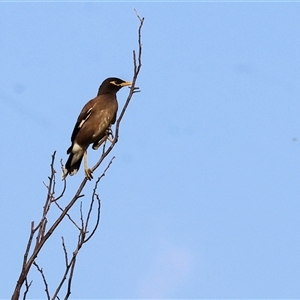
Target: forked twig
[{"x": 27, "y": 286}]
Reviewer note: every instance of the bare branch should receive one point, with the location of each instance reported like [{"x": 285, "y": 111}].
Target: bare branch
[
  {"x": 68, "y": 215},
  {"x": 43, "y": 230}
]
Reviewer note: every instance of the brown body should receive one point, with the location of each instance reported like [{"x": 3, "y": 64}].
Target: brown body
[
  {"x": 93, "y": 124},
  {"x": 96, "y": 116}
]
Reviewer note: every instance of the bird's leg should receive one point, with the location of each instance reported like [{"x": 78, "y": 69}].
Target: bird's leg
[
  {"x": 109, "y": 134},
  {"x": 87, "y": 171}
]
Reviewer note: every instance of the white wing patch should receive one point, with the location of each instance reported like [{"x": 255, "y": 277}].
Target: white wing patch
[{"x": 88, "y": 114}]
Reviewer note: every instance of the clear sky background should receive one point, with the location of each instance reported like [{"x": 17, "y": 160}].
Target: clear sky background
[{"x": 203, "y": 198}]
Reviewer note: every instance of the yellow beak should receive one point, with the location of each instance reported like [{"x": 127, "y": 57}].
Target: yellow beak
[{"x": 126, "y": 83}]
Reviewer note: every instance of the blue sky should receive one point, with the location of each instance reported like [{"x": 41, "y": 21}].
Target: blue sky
[{"x": 202, "y": 200}]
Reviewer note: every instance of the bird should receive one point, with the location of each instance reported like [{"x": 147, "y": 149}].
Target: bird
[{"x": 93, "y": 125}]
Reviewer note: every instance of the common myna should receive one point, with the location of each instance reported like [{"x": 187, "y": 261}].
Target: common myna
[{"x": 93, "y": 125}]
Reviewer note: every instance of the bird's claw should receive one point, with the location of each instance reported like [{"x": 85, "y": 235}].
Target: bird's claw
[
  {"x": 88, "y": 174},
  {"x": 109, "y": 133}
]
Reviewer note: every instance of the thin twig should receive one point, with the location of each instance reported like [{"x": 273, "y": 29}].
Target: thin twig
[
  {"x": 42, "y": 225},
  {"x": 71, "y": 277},
  {"x": 82, "y": 231},
  {"x": 27, "y": 286},
  {"x": 69, "y": 266},
  {"x": 65, "y": 184},
  {"x": 97, "y": 221},
  {"x": 44, "y": 279},
  {"x": 65, "y": 251},
  {"x": 32, "y": 231},
  {"x": 95, "y": 195}
]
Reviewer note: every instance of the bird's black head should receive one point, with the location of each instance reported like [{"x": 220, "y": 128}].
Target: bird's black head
[{"x": 112, "y": 85}]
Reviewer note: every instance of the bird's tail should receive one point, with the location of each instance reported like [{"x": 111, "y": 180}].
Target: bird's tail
[{"x": 73, "y": 163}]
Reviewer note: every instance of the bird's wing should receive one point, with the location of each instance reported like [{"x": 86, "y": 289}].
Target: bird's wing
[
  {"x": 114, "y": 119},
  {"x": 82, "y": 118}
]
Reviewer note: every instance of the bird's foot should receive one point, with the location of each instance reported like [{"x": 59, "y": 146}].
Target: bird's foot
[
  {"x": 88, "y": 174},
  {"x": 109, "y": 133}
]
